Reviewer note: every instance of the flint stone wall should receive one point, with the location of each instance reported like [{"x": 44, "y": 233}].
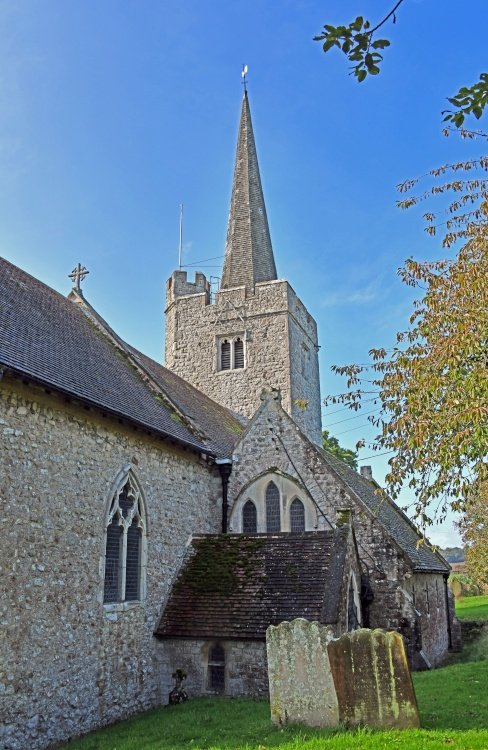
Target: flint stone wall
[
  {"x": 245, "y": 666},
  {"x": 68, "y": 663},
  {"x": 301, "y": 686},
  {"x": 280, "y": 341}
]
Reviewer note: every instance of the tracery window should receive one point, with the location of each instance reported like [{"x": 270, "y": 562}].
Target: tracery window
[
  {"x": 231, "y": 353},
  {"x": 249, "y": 518},
  {"x": 273, "y": 513},
  {"x": 123, "y": 550},
  {"x": 216, "y": 668},
  {"x": 297, "y": 516}
]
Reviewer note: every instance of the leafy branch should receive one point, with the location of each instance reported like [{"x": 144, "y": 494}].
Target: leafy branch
[{"x": 357, "y": 42}]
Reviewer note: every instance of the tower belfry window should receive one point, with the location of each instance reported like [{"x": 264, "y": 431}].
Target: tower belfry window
[
  {"x": 238, "y": 353},
  {"x": 231, "y": 353},
  {"x": 225, "y": 352}
]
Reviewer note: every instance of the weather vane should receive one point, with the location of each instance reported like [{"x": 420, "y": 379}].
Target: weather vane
[
  {"x": 244, "y": 79},
  {"x": 77, "y": 275}
]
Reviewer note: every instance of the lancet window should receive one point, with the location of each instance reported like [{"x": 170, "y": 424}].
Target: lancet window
[
  {"x": 297, "y": 516},
  {"x": 273, "y": 513},
  {"x": 124, "y": 545},
  {"x": 249, "y": 518}
]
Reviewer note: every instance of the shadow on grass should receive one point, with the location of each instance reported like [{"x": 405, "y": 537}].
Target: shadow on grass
[{"x": 453, "y": 704}]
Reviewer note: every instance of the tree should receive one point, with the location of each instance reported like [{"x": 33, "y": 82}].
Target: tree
[
  {"x": 433, "y": 384},
  {"x": 362, "y": 48},
  {"x": 331, "y": 444},
  {"x": 474, "y": 531}
]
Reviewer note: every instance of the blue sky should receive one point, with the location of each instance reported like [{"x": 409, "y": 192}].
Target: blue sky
[{"x": 114, "y": 112}]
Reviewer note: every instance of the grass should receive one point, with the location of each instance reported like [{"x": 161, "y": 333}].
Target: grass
[
  {"x": 453, "y": 705},
  {"x": 472, "y": 608}
]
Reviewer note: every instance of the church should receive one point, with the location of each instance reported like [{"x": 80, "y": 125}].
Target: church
[{"x": 157, "y": 518}]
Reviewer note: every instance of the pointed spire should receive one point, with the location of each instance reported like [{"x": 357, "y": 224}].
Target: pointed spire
[{"x": 248, "y": 252}]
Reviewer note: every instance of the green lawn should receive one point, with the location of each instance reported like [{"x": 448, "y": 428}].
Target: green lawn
[
  {"x": 472, "y": 608},
  {"x": 453, "y": 704}
]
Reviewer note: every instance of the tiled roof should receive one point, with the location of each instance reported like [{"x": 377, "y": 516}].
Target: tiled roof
[
  {"x": 394, "y": 520},
  {"x": 234, "y": 585},
  {"x": 49, "y": 339},
  {"x": 219, "y": 425}
]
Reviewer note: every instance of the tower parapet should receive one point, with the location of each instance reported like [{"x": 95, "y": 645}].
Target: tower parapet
[{"x": 179, "y": 286}]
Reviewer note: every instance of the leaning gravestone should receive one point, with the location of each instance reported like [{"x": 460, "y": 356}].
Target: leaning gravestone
[
  {"x": 301, "y": 686},
  {"x": 372, "y": 680}
]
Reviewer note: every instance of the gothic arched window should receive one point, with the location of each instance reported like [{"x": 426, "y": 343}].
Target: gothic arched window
[
  {"x": 297, "y": 516},
  {"x": 238, "y": 353},
  {"x": 273, "y": 515},
  {"x": 123, "y": 549},
  {"x": 225, "y": 355},
  {"x": 216, "y": 668},
  {"x": 249, "y": 518}
]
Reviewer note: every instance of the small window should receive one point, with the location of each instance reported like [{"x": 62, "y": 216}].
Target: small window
[
  {"x": 249, "y": 518},
  {"x": 273, "y": 515},
  {"x": 123, "y": 549},
  {"x": 238, "y": 353},
  {"x": 297, "y": 516},
  {"x": 231, "y": 353},
  {"x": 216, "y": 668},
  {"x": 225, "y": 355}
]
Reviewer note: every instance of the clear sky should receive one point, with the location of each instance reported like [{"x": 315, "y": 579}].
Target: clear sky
[{"x": 115, "y": 111}]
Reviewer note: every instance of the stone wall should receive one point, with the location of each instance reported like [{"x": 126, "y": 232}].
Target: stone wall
[
  {"x": 272, "y": 443},
  {"x": 245, "y": 666},
  {"x": 280, "y": 346},
  {"x": 68, "y": 662},
  {"x": 428, "y": 594}
]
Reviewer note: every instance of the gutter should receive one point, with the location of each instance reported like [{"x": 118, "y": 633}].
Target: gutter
[{"x": 23, "y": 375}]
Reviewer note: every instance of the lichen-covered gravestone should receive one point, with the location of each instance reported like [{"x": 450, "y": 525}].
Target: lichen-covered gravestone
[
  {"x": 301, "y": 686},
  {"x": 372, "y": 680}
]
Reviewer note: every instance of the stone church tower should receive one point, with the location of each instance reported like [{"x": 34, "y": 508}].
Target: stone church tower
[{"x": 255, "y": 333}]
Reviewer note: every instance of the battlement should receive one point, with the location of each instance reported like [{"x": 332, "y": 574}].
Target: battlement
[{"x": 179, "y": 286}]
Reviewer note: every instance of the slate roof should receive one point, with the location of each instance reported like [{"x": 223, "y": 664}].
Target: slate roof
[
  {"x": 49, "y": 339},
  {"x": 235, "y": 585},
  {"x": 394, "y": 520}
]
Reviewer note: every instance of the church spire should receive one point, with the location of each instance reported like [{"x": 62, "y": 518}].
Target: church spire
[{"x": 248, "y": 252}]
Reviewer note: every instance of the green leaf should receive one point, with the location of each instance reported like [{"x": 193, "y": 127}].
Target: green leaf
[
  {"x": 380, "y": 44},
  {"x": 361, "y": 74}
]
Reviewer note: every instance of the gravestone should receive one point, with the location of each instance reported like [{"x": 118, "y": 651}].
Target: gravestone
[
  {"x": 301, "y": 686},
  {"x": 372, "y": 680}
]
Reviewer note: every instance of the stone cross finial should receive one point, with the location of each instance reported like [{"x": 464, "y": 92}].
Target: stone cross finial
[{"x": 77, "y": 275}]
